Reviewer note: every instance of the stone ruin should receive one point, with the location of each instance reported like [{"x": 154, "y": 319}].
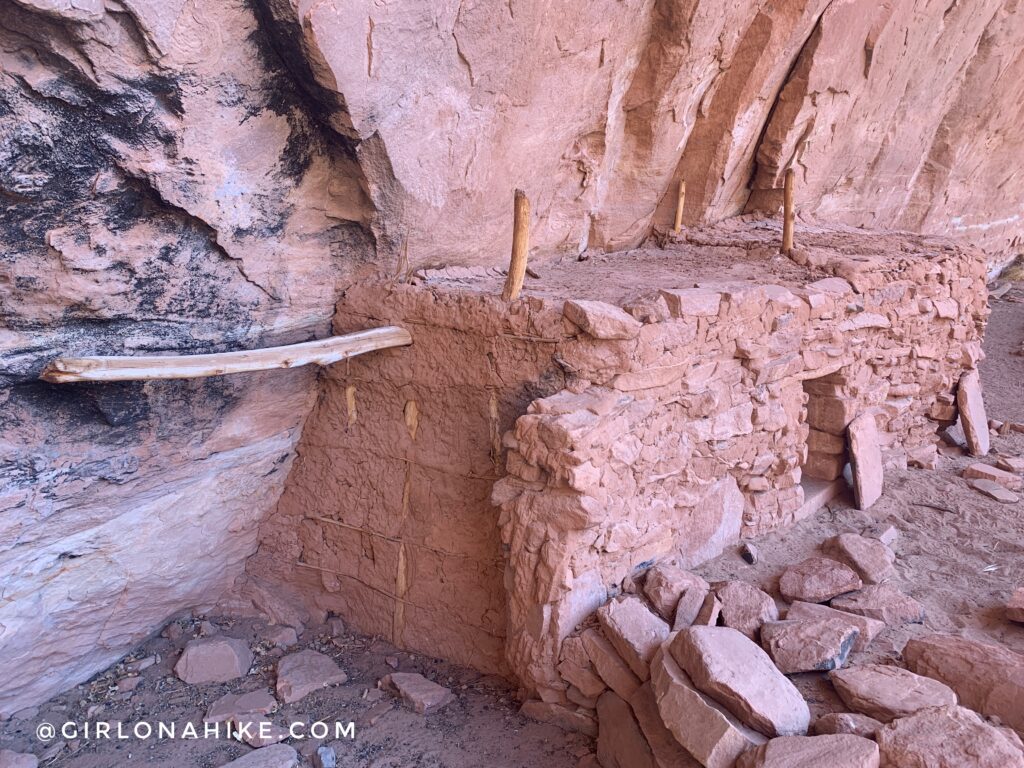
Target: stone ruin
[{"x": 482, "y": 493}]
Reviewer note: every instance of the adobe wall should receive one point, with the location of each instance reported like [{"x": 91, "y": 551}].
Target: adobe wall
[{"x": 479, "y": 494}]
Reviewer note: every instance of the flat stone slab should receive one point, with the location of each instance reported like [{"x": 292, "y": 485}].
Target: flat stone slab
[
  {"x": 620, "y": 742},
  {"x": 667, "y": 751},
  {"x": 576, "y": 668},
  {"x": 563, "y": 717},
  {"x": 865, "y": 460},
  {"x": 971, "y": 405},
  {"x": 882, "y": 602},
  {"x": 846, "y": 722},
  {"x": 745, "y": 607},
  {"x": 867, "y": 629},
  {"x": 831, "y": 751},
  {"x": 1011, "y": 481},
  {"x": 609, "y": 665},
  {"x": 634, "y": 631},
  {"x": 1015, "y": 606},
  {"x": 988, "y": 678},
  {"x": 886, "y": 693},
  {"x": 1011, "y": 464},
  {"x": 276, "y": 756},
  {"x": 232, "y": 706},
  {"x": 808, "y": 645},
  {"x": 601, "y": 320},
  {"x": 421, "y": 694},
  {"x": 299, "y": 674},
  {"x": 666, "y": 584},
  {"x": 946, "y": 737},
  {"x": 994, "y": 490},
  {"x": 817, "y": 579},
  {"x": 732, "y": 669},
  {"x": 706, "y": 729},
  {"x": 869, "y": 557},
  {"x": 214, "y": 660}
]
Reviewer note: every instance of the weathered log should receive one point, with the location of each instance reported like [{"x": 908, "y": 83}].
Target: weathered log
[
  {"x": 788, "y": 214},
  {"x": 146, "y": 367},
  {"x": 677, "y": 225},
  {"x": 520, "y": 248}
]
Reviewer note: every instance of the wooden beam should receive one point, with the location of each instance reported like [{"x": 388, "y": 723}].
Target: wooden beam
[
  {"x": 149, "y": 367},
  {"x": 520, "y": 248},
  {"x": 788, "y": 215},
  {"x": 680, "y": 202}
]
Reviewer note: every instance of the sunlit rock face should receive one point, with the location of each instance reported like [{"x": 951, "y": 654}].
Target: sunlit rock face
[{"x": 192, "y": 176}]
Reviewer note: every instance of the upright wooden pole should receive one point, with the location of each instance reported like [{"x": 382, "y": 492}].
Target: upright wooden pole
[
  {"x": 678, "y": 225},
  {"x": 788, "y": 216},
  {"x": 520, "y": 248}
]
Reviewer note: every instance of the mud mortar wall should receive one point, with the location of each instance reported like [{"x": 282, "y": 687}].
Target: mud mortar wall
[{"x": 603, "y": 455}]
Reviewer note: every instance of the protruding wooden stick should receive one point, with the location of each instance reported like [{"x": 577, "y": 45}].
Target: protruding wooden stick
[
  {"x": 147, "y": 367},
  {"x": 678, "y": 225},
  {"x": 520, "y": 248},
  {"x": 788, "y": 216}
]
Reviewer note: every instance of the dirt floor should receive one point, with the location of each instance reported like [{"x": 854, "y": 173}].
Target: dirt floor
[{"x": 959, "y": 553}]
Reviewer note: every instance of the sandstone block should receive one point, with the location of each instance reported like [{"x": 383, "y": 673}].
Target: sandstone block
[
  {"x": 575, "y": 667},
  {"x": 235, "y": 707},
  {"x": 692, "y": 302},
  {"x": 830, "y": 414},
  {"x": 870, "y": 558},
  {"x": 745, "y": 607},
  {"x": 994, "y": 491},
  {"x": 846, "y": 722},
  {"x": 867, "y": 629},
  {"x": 731, "y": 668},
  {"x": 620, "y": 742},
  {"x": 1009, "y": 480},
  {"x": 609, "y": 665},
  {"x": 886, "y": 693},
  {"x": 946, "y": 737},
  {"x": 705, "y": 728},
  {"x": 971, "y": 405},
  {"x": 808, "y": 645},
  {"x": 276, "y": 756},
  {"x": 601, "y": 320},
  {"x": 834, "y": 750},
  {"x": 1015, "y": 606},
  {"x": 666, "y": 584},
  {"x": 214, "y": 660},
  {"x": 823, "y": 442},
  {"x": 556, "y": 714},
  {"x": 634, "y": 631},
  {"x": 987, "y": 678},
  {"x": 817, "y": 579},
  {"x": 423, "y": 695},
  {"x": 865, "y": 460},
  {"x": 299, "y": 674},
  {"x": 823, "y": 466},
  {"x": 1011, "y": 464},
  {"x": 882, "y": 602},
  {"x": 281, "y": 636},
  {"x": 708, "y": 615},
  {"x": 667, "y": 751}
]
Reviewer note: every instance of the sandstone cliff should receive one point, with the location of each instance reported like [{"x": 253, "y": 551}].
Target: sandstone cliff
[{"x": 192, "y": 175}]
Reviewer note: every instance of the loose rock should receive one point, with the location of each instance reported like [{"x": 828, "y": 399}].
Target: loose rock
[
  {"x": 946, "y": 737},
  {"x": 667, "y": 751},
  {"x": 708, "y": 615},
  {"x": 846, "y": 722},
  {"x": 817, "y": 579},
  {"x": 1009, "y": 480},
  {"x": 1015, "y": 606},
  {"x": 971, "y": 405},
  {"x": 281, "y": 636},
  {"x": 994, "y": 490},
  {"x": 749, "y": 553},
  {"x": 609, "y": 665},
  {"x": 620, "y": 742},
  {"x": 707, "y": 730},
  {"x": 634, "y": 631},
  {"x": 808, "y": 645},
  {"x": 277, "y": 756},
  {"x": 865, "y": 460},
  {"x": 325, "y": 757},
  {"x": 987, "y": 678},
  {"x": 1011, "y": 464},
  {"x": 833, "y": 751},
  {"x": 745, "y": 607},
  {"x": 575, "y": 668},
  {"x": 601, "y": 320},
  {"x": 882, "y": 602},
  {"x": 731, "y": 668},
  {"x": 213, "y": 660},
  {"x": 11, "y": 759},
  {"x": 867, "y": 629},
  {"x": 299, "y": 674},
  {"x": 235, "y": 707},
  {"x": 886, "y": 693},
  {"x": 870, "y": 558},
  {"x": 666, "y": 584},
  {"x": 423, "y": 695}
]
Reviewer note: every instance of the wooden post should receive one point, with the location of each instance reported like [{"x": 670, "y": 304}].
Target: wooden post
[
  {"x": 520, "y": 248},
  {"x": 678, "y": 225},
  {"x": 788, "y": 216}
]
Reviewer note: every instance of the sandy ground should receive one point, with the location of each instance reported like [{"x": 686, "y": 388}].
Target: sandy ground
[{"x": 959, "y": 553}]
